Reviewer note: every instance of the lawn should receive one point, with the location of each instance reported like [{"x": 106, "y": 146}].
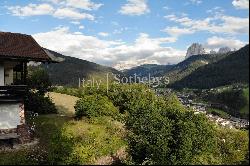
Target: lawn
[{"x": 64, "y": 103}]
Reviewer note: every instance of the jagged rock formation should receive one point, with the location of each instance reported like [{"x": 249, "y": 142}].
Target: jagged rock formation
[
  {"x": 224, "y": 50},
  {"x": 195, "y": 49}
]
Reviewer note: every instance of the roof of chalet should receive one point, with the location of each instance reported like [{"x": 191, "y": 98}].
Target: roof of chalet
[{"x": 21, "y": 46}]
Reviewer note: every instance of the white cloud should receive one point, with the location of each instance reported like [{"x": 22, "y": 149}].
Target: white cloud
[
  {"x": 81, "y": 27},
  {"x": 54, "y": 1},
  {"x": 75, "y": 22},
  {"x": 79, "y": 4},
  {"x": 111, "y": 53},
  {"x": 31, "y": 10},
  {"x": 214, "y": 43},
  {"x": 135, "y": 8},
  {"x": 83, "y": 4},
  {"x": 241, "y": 4},
  {"x": 103, "y": 34},
  {"x": 217, "y": 24},
  {"x": 71, "y": 13},
  {"x": 166, "y": 8},
  {"x": 196, "y": 2},
  {"x": 176, "y": 31},
  {"x": 63, "y": 9}
]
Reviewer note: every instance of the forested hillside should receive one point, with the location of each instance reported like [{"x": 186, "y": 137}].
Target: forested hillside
[
  {"x": 71, "y": 69},
  {"x": 232, "y": 69},
  {"x": 145, "y": 70},
  {"x": 189, "y": 65}
]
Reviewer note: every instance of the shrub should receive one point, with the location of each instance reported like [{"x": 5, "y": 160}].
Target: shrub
[
  {"x": 123, "y": 95},
  {"x": 95, "y": 106},
  {"x": 165, "y": 133},
  {"x": 40, "y": 104},
  {"x": 39, "y": 79},
  {"x": 233, "y": 146}
]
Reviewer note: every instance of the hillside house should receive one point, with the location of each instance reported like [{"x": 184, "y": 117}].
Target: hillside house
[{"x": 16, "y": 50}]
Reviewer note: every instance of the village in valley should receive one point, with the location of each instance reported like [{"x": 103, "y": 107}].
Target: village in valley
[{"x": 201, "y": 108}]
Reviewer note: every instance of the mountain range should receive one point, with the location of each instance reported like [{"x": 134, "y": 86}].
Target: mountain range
[
  {"x": 197, "y": 71},
  {"x": 233, "y": 68}
]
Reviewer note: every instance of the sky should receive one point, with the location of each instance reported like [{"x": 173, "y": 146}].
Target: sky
[{"x": 127, "y": 33}]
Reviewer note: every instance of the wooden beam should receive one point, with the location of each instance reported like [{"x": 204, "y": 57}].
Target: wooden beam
[
  {"x": 22, "y": 74},
  {"x": 25, "y": 73}
]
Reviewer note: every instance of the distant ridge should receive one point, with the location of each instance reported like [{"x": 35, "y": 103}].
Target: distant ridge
[
  {"x": 232, "y": 69},
  {"x": 70, "y": 69},
  {"x": 146, "y": 69},
  {"x": 189, "y": 65}
]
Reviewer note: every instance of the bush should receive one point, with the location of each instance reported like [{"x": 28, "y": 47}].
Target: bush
[
  {"x": 124, "y": 95},
  {"x": 233, "y": 146},
  {"x": 95, "y": 106},
  {"x": 40, "y": 104},
  {"x": 39, "y": 79},
  {"x": 165, "y": 133}
]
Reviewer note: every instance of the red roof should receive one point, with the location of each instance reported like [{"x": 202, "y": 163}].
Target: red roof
[{"x": 20, "y": 46}]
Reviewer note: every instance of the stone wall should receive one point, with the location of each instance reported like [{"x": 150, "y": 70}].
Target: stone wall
[{"x": 22, "y": 129}]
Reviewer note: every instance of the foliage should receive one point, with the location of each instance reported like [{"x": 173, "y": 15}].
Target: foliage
[
  {"x": 161, "y": 133},
  {"x": 37, "y": 103},
  {"x": 95, "y": 106},
  {"x": 39, "y": 79},
  {"x": 232, "y": 145},
  {"x": 82, "y": 142},
  {"x": 122, "y": 95},
  {"x": 46, "y": 126}
]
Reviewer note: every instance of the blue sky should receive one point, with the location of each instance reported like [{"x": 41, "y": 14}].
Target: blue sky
[{"x": 126, "y": 33}]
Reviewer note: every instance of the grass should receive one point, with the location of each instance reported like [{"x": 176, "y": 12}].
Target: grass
[
  {"x": 64, "y": 103},
  {"x": 46, "y": 126},
  {"x": 85, "y": 141}
]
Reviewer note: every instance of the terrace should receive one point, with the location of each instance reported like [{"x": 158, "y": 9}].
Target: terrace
[{"x": 12, "y": 93}]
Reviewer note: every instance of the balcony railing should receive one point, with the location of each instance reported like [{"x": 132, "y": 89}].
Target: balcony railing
[{"x": 12, "y": 93}]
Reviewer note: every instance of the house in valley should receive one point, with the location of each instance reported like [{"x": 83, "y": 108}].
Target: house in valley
[{"x": 16, "y": 50}]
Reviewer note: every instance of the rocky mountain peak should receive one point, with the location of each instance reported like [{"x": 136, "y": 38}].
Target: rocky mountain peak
[
  {"x": 195, "y": 49},
  {"x": 224, "y": 50}
]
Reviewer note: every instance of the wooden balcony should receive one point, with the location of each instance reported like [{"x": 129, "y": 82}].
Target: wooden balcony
[{"x": 13, "y": 93}]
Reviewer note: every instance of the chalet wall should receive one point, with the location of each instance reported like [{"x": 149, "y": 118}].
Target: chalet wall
[
  {"x": 10, "y": 116},
  {"x": 1, "y": 75},
  {"x": 8, "y": 76}
]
